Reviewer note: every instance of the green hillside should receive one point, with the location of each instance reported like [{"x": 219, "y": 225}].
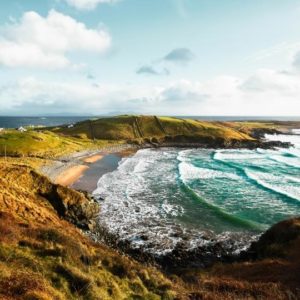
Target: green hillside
[
  {"x": 141, "y": 127},
  {"x": 45, "y": 144}
]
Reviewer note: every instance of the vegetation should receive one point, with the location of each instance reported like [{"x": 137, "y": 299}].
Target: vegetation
[
  {"x": 130, "y": 127},
  {"x": 45, "y": 257},
  {"x": 43, "y": 144},
  {"x": 49, "y": 143},
  {"x": 42, "y": 256}
]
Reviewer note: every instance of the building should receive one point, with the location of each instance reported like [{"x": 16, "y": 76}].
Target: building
[{"x": 22, "y": 129}]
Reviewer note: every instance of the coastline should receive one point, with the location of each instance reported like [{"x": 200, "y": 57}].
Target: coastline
[
  {"x": 68, "y": 170},
  {"x": 82, "y": 171}
]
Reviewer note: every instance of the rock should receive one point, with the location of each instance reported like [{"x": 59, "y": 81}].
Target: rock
[
  {"x": 76, "y": 207},
  {"x": 195, "y": 141},
  {"x": 281, "y": 240},
  {"x": 259, "y": 133}
]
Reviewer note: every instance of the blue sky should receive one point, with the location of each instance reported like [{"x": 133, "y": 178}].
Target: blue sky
[{"x": 191, "y": 57}]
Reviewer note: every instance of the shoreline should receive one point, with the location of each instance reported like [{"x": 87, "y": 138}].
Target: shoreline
[
  {"x": 84, "y": 171},
  {"x": 67, "y": 170}
]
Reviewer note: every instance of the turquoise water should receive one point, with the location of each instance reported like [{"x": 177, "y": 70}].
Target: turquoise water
[{"x": 199, "y": 196}]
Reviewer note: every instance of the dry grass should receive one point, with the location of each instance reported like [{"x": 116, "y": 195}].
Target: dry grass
[{"x": 43, "y": 256}]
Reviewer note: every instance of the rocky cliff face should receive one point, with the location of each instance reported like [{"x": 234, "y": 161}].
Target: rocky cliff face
[
  {"x": 198, "y": 141},
  {"x": 69, "y": 204}
]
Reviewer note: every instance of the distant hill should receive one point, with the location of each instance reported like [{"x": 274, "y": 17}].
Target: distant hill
[{"x": 130, "y": 127}]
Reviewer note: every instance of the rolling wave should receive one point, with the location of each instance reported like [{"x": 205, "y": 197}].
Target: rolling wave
[
  {"x": 234, "y": 220},
  {"x": 286, "y": 191},
  {"x": 287, "y": 160},
  {"x": 188, "y": 172}
]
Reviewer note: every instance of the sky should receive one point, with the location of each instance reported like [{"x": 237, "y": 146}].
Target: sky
[{"x": 165, "y": 57}]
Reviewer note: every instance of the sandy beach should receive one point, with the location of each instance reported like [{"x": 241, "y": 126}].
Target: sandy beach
[
  {"x": 82, "y": 170},
  {"x": 69, "y": 176},
  {"x": 72, "y": 174},
  {"x": 93, "y": 158}
]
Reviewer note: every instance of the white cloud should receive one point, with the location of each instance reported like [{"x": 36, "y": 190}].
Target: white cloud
[
  {"x": 296, "y": 61},
  {"x": 30, "y": 95},
  {"x": 183, "y": 91},
  {"x": 266, "y": 81},
  {"x": 151, "y": 70},
  {"x": 283, "y": 51},
  {"x": 180, "y": 55},
  {"x": 265, "y": 93},
  {"x": 41, "y": 42},
  {"x": 88, "y": 4}
]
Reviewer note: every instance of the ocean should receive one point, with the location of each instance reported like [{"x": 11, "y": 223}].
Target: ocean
[
  {"x": 161, "y": 197},
  {"x": 15, "y": 122}
]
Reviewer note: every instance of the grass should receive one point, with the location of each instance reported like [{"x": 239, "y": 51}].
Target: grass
[
  {"x": 54, "y": 142},
  {"x": 132, "y": 127},
  {"x": 45, "y": 257},
  {"x": 50, "y": 143},
  {"x": 43, "y": 144}
]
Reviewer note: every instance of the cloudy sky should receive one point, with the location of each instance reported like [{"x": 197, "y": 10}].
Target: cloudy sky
[{"x": 168, "y": 57}]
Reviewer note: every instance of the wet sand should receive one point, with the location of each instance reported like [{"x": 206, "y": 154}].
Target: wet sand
[
  {"x": 82, "y": 170},
  {"x": 70, "y": 175},
  {"x": 89, "y": 179},
  {"x": 93, "y": 159}
]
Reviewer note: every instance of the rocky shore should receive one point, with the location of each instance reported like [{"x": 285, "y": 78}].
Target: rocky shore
[
  {"x": 182, "y": 256},
  {"x": 183, "y": 141}
]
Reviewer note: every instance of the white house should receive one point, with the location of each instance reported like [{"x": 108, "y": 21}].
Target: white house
[{"x": 22, "y": 129}]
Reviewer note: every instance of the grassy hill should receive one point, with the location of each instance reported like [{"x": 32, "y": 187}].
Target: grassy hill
[
  {"x": 43, "y": 143},
  {"x": 57, "y": 141},
  {"x": 53, "y": 142},
  {"x": 130, "y": 127},
  {"x": 43, "y": 257}
]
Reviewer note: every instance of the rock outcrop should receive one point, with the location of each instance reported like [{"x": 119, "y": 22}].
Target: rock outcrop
[
  {"x": 281, "y": 241},
  {"x": 198, "y": 141},
  {"x": 73, "y": 206}
]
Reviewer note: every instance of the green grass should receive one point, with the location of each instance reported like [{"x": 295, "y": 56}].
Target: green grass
[
  {"x": 45, "y": 144},
  {"x": 132, "y": 127}
]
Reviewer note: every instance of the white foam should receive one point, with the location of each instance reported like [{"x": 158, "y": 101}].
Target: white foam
[
  {"x": 294, "y": 139},
  {"x": 290, "y": 161},
  {"x": 293, "y": 179},
  {"x": 141, "y": 196},
  {"x": 296, "y": 131},
  {"x": 189, "y": 172},
  {"x": 131, "y": 207},
  {"x": 274, "y": 183},
  {"x": 243, "y": 154},
  {"x": 170, "y": 209}
]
